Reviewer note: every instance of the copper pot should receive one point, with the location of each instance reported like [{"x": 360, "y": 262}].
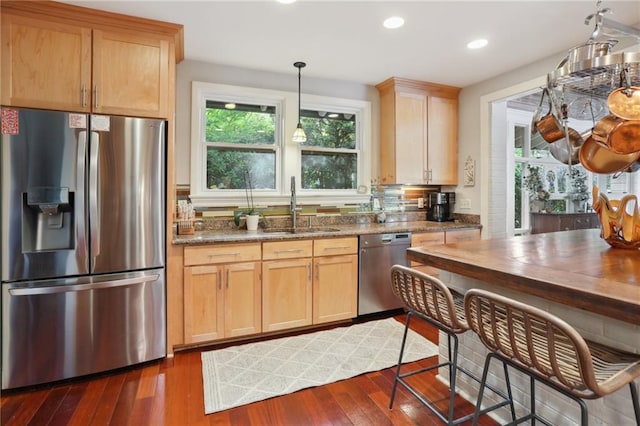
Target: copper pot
[
  {"x": 620, "y": 136},
  {"x": 599, "y": 159},
  {"x": 548, "y": 126}
]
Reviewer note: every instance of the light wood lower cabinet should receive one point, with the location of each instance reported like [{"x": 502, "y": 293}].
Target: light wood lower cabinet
[
  {"x": 335, "y": 280},
  {"x": 221, "y": 300},
  {"x": 286, "y": 294},
  {"x": 286, "y": 284},
  {"x": 426, "y": 239},
  {"x": 461, "y": 235}
]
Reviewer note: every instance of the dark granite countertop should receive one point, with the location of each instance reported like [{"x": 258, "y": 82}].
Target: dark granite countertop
[{"x": 330, "y": 231}]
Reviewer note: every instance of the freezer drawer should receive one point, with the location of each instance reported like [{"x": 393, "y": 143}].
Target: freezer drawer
[{"x": 54, "y": 330}]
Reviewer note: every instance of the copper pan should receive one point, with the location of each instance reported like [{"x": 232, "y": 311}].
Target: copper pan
[
  {"x": 625, "y": 103},
  {"x": 568, "y": 152},
  {"x": 599, "y": 159},
  {"x": 620, "y": 136}
]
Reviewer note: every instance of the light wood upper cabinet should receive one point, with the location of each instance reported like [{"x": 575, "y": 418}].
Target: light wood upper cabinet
[
  {"x": 418, "y": 132},
  {"x": 66, "y": 64},
  {"x": 130, "y": 74},
  {"x": 45, "y": 64}
]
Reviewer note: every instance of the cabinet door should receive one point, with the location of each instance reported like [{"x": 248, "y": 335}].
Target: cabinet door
[
  {"x": 286, "y": 294},
  {"x": 442, "y": 141},
  {"x": 335, "y": 288},
  {"x": 426, "y": 239},
  {"x": 411, "y": 128},
  {"x": 130, "y": 74},
  {"x": 242, "y": 299},
  {"x": 460, "y": 235},
  {"x": 203, "y": 303},
  {"x": 45, "y": 64}
]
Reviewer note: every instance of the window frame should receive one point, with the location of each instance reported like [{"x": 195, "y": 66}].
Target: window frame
[
  {"x": 340, "y": 109},
  {"x": 288, "y": 153}
]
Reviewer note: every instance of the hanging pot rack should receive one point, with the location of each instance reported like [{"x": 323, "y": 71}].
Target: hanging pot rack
[{"x": 598, "y": 76}]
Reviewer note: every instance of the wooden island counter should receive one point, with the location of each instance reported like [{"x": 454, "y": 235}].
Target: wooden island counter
[
  {"x": 576, "y": 276},
  {"x": 575, "y": 268}
]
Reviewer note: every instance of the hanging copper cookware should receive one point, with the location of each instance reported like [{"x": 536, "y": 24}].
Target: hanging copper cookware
[
  {"x": 599, "y": 159},
  {"x": 549, "y": 127},
  {"x": 620, "y": 136},
  {"x": 567, "y": 150},
  {"x": 624, "y": 102}
]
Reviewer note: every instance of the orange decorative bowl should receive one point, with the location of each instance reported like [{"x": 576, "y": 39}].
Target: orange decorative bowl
[{"x": 619, "y": 219}]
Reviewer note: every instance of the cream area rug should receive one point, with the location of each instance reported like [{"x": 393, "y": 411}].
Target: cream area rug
[{"x": 252, "y": 372}]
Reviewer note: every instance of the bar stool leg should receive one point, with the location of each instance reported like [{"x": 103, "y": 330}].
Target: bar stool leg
[
  {"x": 509, "y": 394},
  {"x": 404, "y": 340},
  {"x": 483, "y": 382},
  {"x": 453, "y": 363},
  {"x": 635, "y": 400}
]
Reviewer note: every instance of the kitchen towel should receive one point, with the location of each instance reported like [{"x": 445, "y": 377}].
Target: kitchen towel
[{"x": 252, "y": 372}]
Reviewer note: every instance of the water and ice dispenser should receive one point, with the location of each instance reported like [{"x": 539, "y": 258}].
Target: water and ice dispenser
[{"x": 47, "y": 219}]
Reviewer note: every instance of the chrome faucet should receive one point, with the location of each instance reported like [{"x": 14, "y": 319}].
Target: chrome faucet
[{"x": 293, "y": 207}]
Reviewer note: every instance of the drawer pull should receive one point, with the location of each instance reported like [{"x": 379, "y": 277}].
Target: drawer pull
[
  {"x": 288, "y": 251},
  {"x": 223, "y": 254},
  {"x": 337, "y": 248}
]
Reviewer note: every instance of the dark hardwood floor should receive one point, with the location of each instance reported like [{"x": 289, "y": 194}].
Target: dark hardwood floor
[{"x": 169, "y": 392}]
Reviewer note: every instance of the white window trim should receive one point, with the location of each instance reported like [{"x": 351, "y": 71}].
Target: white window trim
[{"x": 288, "y": 153}]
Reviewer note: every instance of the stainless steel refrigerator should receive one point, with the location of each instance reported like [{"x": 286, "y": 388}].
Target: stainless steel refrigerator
[{"x": 83, "y": 244}]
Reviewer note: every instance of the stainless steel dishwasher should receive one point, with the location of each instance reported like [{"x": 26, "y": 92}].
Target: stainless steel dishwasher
[{"x": 377, "y": 254}]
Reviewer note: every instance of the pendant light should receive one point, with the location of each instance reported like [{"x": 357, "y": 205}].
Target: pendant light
[{"x": 298, "y": 135}]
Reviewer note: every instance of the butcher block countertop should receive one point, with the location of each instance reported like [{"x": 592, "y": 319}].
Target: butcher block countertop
[{"x": 575, "y": 268}]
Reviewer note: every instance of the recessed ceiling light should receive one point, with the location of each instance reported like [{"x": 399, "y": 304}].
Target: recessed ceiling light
[
  {"x": 286, "y": 1},
  {"x": 393, "y": 22},
  {"x": 477, "y": 44}
]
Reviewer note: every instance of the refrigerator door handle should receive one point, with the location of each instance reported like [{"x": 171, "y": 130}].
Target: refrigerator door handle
[
  {"x": 31, "y": 291},
  {"x": 94, "y": 209},
  {"x": 80, "y": 194}
]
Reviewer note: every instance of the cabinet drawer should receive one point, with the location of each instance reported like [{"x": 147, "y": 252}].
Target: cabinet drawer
[
  {"x": 427, "y": 239},
  {"x": 226, "y": 253},
  {"x": 287, "y": 249},
  {"x": 462, "y": 235},
  {"x": 335, "y": 246}
]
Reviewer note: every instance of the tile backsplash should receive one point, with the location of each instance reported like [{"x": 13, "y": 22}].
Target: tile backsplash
[{"x": 400, "y": 203}]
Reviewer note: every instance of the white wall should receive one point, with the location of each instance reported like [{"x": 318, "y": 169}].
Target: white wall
[
  {"x": 470, "y": 128},
  {"x": 189, "y": 70}
]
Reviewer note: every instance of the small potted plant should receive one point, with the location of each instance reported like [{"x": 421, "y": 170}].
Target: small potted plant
[
  {"x": 579, "y": 190},
  {"x": 251, "y": 214},
  {"x": 535, "y": 185}
]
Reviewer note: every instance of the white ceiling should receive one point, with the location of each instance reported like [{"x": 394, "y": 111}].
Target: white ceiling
[{"x": 345, "y": 40}]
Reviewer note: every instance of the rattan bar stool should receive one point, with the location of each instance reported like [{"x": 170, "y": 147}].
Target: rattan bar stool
[
  {"x": 547, "y": 349},
  {"x": 427, "y": 298}
]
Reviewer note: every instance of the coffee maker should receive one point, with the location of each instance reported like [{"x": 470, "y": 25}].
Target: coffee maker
[{"x": 440, "y": 206}]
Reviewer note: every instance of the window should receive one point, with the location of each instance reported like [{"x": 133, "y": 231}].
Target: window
[
  {"x": 329, "y": 158},
  {"x": 235, "y": 130},
  {"x": 240, "y": 138}
]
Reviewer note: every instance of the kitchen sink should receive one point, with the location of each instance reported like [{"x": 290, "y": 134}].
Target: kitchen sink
[{"x": 302, "y": 230}]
